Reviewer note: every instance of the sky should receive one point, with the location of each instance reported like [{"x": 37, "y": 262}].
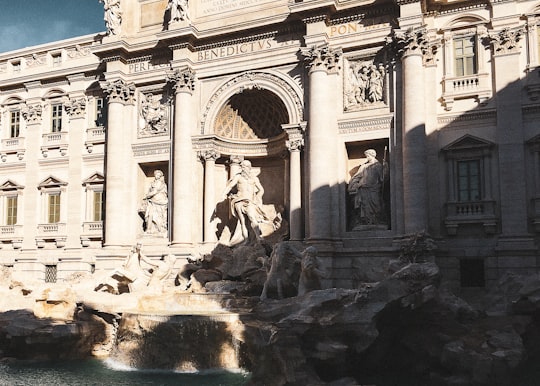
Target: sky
[{"x": 25, "y": 23}]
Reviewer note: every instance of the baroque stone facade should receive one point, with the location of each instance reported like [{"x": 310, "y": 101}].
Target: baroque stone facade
[{"x": 440, "y": 97}]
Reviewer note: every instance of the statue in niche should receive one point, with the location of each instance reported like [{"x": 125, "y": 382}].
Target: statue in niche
[
  {"x": 154, "y": 115},
  {"x": 154, "y": 207},
  {"x": 113, "y": 16},
  {"x": 366, "y": 186},
  {"x": 246, "y": 204},
  {"x": 178, "y": 10},
  {"x": 364, "y": 85}
]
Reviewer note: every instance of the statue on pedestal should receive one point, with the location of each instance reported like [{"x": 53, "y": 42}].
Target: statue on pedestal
[
  {"x": 178, "y": 10},
  {"x": 366, "y": 186},
  {"x": 246, "y": 204},
  {"x": 113, "y": 16},
  {"x": 154, "y": 206}
]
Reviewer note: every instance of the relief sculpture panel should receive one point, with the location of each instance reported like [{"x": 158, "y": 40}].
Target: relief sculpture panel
[{"x": 364, "y": 85}]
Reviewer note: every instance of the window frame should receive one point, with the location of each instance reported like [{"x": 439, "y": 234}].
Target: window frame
[
  {"x": 57, "y": 113},
  {"x": 14, "y": 125}
]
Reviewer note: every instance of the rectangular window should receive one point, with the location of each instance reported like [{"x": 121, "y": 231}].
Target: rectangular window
[
  {"x": 101, "y": 112},
  {"x": 57, "y": 60},
  {"x": 11, "y": 210},
  {"x": 56, "y": 118},
  {"x": 465, "y": 56},
  {"x": 51, "y": 273},
  {"x": 54, "y": 208},
  {"x": 16, "y": 66},
  {"x": 15, "y": 123},
  {"x": 468, "y": 180},
  {"x": 97, "y": 214},
  {"x": 472, "y": 273}
]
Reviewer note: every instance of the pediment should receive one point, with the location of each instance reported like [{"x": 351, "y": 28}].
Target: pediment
[
  {"x": 94, "y": 179},
  {"x": 51, "y": 181},
  {"x": 468, "y": 142},
  {"x": 10, "y": 185}
]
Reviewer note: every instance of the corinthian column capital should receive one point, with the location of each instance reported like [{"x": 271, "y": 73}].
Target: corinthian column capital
[
  {"x": 412, "y": 41},
  {"x": 322, "y": 58},
  {"x": 120, "y": 91},
  {"x": 182, "y": 80},
  {"x": 506, "y": 40}
]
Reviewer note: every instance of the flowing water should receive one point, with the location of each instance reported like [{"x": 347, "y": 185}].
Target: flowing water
[{"x": 96, "y": 372}]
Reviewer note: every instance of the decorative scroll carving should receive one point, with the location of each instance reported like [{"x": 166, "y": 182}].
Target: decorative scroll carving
[
  {"x": 75, "y": 107},
  {"x": 209, "y": 155},
  {"x": 113, "y": 16},
  {"x": 32, "y": 113},
  {"x": 78, "y": 51},
  {"x": 506, "y": 40},
  {"x": 154, "y": 117},
  {"x": 182, "y": 80},
  {"x": 120, "y": 91},
  {"x": 364, "y": 85},
  {"x": 295, "y": 144},
  {"x": 322, "y": 58},
  {"x": 35, "y": 60}
]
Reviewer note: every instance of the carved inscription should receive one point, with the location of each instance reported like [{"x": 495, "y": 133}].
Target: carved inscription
[
  {"x": 147, "y": 66},
  {"x": 209, "y": 7}
]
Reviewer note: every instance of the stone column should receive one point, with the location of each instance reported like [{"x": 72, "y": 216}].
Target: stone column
[
  {"x": 120, "y": 95},
  {"x": 209, "y": 158},
  {"x": 411, "y": 44},
  {"x": 295, "y": 145},
  {"x": 323, "y": 63},
  {"x": 183, "y": 83}
]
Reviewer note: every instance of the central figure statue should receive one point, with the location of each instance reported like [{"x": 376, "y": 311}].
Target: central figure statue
[{"x": 246, "y": 203}]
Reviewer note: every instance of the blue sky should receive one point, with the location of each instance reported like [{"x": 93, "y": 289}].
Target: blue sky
[{"x": 26, "y": 23}]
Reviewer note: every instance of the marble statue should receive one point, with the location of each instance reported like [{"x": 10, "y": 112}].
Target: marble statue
[
  {"x": 113, "y": 16},
  {"x": 246, "y": 204},
  {"x": 130, "y": 277},
  {"x": 153, "y": 114},
  {"x": 366, "y": 187},
  {"x": 283, "y": 273},
  {"x": 178, "y": 10},
  {"x": 155, "y": 206},
  {"x": 160, "y": 272},
  {"x": 310, "y": 274}
]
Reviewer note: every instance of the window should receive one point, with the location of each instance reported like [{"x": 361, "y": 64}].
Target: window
[
  {"x": 101, "y": 112},
  {"x": 57, "y": 60},
  {"x": 51, "y": 272},
  {"x": 469, "y": 184},
  {"x": 56, "y": 118},
  {"x": 16, "y": 66},
  {"x": 54, "y": 208},
  {"x": 465, "y": 56},
  {"x": 11, "y": 210},
  {"x": 15, "y": 123},
  {"x": 468, "y": 180},
  {"x": 97, "y": 213},
  {"x": 471, "y": 272}
]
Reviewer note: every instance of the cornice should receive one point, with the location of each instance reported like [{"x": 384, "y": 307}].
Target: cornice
[
  {"x": 143, "y": 149},
  {"x": 362, "y": 125},
  {"x": 488, "y": 116}
]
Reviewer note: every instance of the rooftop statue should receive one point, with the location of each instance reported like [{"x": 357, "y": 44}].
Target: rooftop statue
[
  {"x": 178, "y": 10},
  {"x": 113, "y": 16}
]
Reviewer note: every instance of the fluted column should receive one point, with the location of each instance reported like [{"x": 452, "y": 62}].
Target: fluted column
[
  {"x": 120, "y": 94},
  {"x": 295, "y": 145},
  {"x": 209, "y": 158},
  {"x": 183, "y": 82},
  {"x": 411, "y": 44},
  {"x": 321, "y": 139}
]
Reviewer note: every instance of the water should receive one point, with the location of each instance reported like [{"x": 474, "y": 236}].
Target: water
[{"x": 95, "y": 372}]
